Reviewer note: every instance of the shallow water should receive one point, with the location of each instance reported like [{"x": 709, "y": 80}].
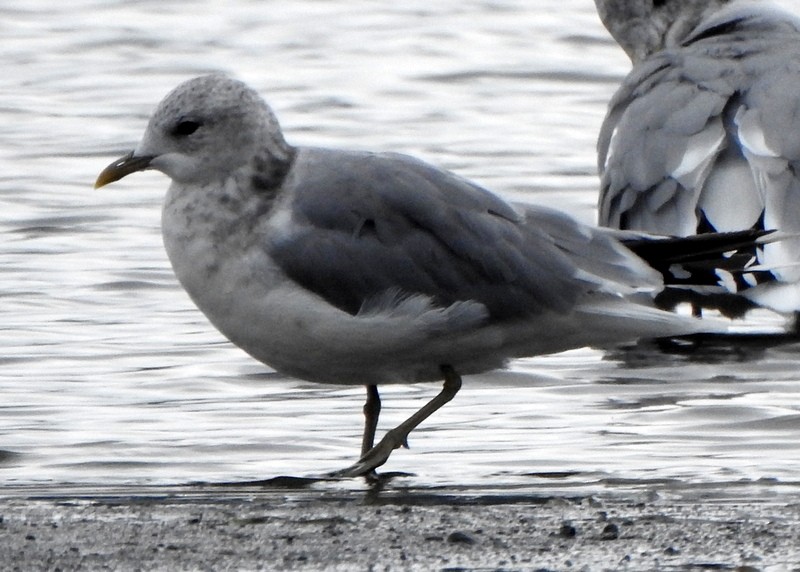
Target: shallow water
[{"x": 110, "y": 377}]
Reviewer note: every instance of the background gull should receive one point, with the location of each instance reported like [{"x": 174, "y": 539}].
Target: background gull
[
  {"x": 703, "y": 133},
  {"x": 362, "y": 268}
]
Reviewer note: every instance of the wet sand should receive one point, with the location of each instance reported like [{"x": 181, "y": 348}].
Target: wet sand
[{"x": 252, "y": 528}]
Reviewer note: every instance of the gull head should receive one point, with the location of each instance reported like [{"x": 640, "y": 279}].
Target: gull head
[
  {"x": 203, "y": 131},
  {"x": 643, "y": 27}
]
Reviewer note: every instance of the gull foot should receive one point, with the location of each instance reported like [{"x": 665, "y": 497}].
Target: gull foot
[{"x": 375, "y": 457}]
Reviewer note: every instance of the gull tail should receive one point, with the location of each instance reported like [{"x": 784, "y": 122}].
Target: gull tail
[{"x": 712, "y": 270}]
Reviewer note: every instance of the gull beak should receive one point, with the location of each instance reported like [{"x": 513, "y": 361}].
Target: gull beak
[{"x": 122, "y": 167}]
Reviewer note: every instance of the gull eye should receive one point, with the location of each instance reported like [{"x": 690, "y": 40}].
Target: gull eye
[{"x": 185, "y": 127}]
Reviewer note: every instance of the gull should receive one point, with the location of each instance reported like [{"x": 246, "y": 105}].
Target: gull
[
  {"x": 352, "y": 267},
  {"x": 702, "y": 135}
]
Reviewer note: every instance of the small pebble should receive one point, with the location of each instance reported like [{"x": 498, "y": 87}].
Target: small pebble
[
  {"x": 610, "y": 532},
  {"x": 460, "y": 538},
  {"x": 568, "y": 530}
]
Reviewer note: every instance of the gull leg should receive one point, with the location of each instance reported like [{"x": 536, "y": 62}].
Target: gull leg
[
  {"x": 372, "y": 410},
  {"x": 397, "y": 437}
]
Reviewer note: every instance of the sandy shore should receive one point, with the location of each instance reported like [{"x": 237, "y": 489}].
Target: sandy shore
[{"x": 308, "y": 529}]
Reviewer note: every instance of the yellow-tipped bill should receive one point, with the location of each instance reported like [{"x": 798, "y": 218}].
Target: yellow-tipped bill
[{"x": 122, "y": 167}]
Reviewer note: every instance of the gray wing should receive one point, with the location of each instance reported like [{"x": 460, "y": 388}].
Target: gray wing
[
  {"x": 364, "y": 224},
  {"x": 704, "y": 136}
]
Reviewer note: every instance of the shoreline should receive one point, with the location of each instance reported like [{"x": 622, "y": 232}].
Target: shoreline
[{"x": 253, "y": 528}]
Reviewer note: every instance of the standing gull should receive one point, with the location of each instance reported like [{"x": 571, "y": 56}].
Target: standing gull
[
  {"x": 348, "y": 267},
  {"x": 704, "y": 133}
]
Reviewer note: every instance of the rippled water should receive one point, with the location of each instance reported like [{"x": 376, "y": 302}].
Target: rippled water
[{"x": 109, "y": 375}]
